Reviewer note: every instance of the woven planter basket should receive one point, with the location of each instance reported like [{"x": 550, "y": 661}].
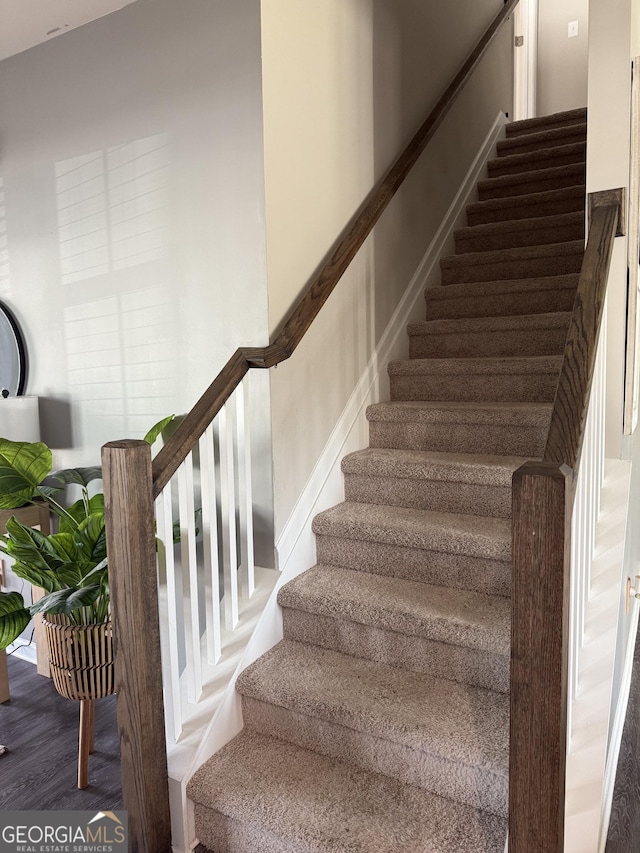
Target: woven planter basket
[{"x": 81, "y": 658}]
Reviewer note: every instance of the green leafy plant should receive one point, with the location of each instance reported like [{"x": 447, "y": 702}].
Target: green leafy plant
[{"x": 70, "y": 564}]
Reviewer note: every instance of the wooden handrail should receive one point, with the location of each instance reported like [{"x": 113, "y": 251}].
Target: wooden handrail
[
  {"x": 541, "y": 538},
  {"x": 574, "y": 386},
  {"x": 320, "y": 287}
]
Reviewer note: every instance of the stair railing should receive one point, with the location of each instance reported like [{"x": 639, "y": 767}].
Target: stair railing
[
  {"x": 543, "y": 515},
  {"x": 132, "y": 482}
]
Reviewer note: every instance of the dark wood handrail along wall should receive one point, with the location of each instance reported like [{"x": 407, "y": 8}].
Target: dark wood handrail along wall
[
  {"x": 542, "y": 510},
  {"x": 128, "y": 469},
  {"x": 324, "y": 281}
]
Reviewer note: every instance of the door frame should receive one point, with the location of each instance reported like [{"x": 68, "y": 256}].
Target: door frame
[{"x": 525, "y": 59}]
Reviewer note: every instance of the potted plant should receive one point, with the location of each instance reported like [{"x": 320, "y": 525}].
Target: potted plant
[{"x": 70, "y": 565}]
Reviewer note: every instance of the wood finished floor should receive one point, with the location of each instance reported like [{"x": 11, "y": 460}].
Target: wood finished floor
[
  {"x": 40, "y": 731},
  {"x": 624, "y": 826}
]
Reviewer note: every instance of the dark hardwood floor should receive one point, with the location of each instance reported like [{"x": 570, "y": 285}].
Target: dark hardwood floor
[
  {"x": 624, "y": 826},
  {"x": 40, "y": 731}
]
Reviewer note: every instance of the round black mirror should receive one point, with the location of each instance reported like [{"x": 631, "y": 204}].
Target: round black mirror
[{"x": 13, "y": 362}]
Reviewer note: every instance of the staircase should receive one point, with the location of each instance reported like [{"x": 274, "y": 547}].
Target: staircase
[{"x": 381, "y": 721}]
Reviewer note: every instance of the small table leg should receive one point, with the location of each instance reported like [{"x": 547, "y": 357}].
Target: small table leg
[
  {"x": 85, "y": 740},
  {"x": 4, "y": 685},
  {"x": 4, "y": 678}
]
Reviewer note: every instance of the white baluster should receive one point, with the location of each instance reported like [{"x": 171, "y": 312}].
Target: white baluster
[
  {"x": 228, "y": 513},
  {"x": 169, "y": 624},
  {"x": 190, "y": 575},
  {"x": 245, "y": 496},
  {"x": 577, "y": 572},
  {"x": 210, "y": 543}
]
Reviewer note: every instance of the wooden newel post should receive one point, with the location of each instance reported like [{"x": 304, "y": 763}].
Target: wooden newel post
[
  {"x": 542, "y": 499},
  {"x": 138, "y": 673}
]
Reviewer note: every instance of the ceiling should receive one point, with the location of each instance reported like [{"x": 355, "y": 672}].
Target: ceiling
[{"x": 25, "y": 23}]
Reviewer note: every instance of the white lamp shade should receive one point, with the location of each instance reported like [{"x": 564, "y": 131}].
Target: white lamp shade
[{"x": 19, "y": 418}]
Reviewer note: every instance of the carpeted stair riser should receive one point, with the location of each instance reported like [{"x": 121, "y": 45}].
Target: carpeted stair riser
[
  {"x": 414, "y": 609},
  {"x": 458, "y": 551},
  {"x": 218, "y": 833},
  {"x": 545, "y": 158},
  {"x": 459, "y": 483},
  {"x": 379, "y": 755},
  {"x": 532, "y": 142},
  {"x": 501, "y": 298},
  {"x": 528, "y": 206},
  {"x": 415, "y": 626},
  {"x": 508, "y": 186},
  {"x": 451, "y": 429},
  {"x": 527, "y": 232},
  {"x": 434, "y": 567},
  {"x": 442, "y": 660},
  {"x": 526, "y": 262},
  {"x": 383, "y": 719},
  {"x": 429, "y": 494},
  {"x": 248, "y": 800},
  {"x": 490, "y": 337},
  {"x": 499, "y": 380}
]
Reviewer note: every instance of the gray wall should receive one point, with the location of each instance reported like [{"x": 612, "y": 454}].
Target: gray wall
[
  {"x": 562, "y": 61},
  {"x": 346, "y": 84},
  {"x": 131, "y": 162}
]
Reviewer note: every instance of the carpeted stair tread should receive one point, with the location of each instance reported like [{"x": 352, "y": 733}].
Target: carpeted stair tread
[
  {"x": 384, "y": 619},
  {"x": 453, "y": 482},
  {"x": 471, "y": 620},
  {"x": 503, "y": 379},
  {"x": 480, "y": 469},
  {"x": 541, "y": 138},
  {"x": 489, "y": 325},
  {"x": 470, "y": 535},
  {"x": 430, "y": 717},
  {"x": 501, "y": 298},
  {"x": 524, "y": 262},
  {"x": 491, "y": 428},
  {"x": 563, "y": 119},
  {"x": 507, "y": 414},
  {"x": 560, "y": 120},
  {"x": 537, "y": 180},
  {"x": 504, "y": 335},
  {"x": 278, "y": 798},
  {"x": 527, "y": 205},
  {"x": 538, "y": 231},
  {"x": 558, "y": 155},
  {"x": 475, "y": 366}
]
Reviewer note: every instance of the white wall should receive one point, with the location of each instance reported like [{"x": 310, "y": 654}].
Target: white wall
[
  {"x": 562, "y": 61},
  {"x": 132, "y": 170},
  {"x": 346, "y": 83}
]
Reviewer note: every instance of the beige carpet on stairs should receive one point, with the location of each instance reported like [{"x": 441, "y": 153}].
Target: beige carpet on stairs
[{"x": 381, "y": 722}]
